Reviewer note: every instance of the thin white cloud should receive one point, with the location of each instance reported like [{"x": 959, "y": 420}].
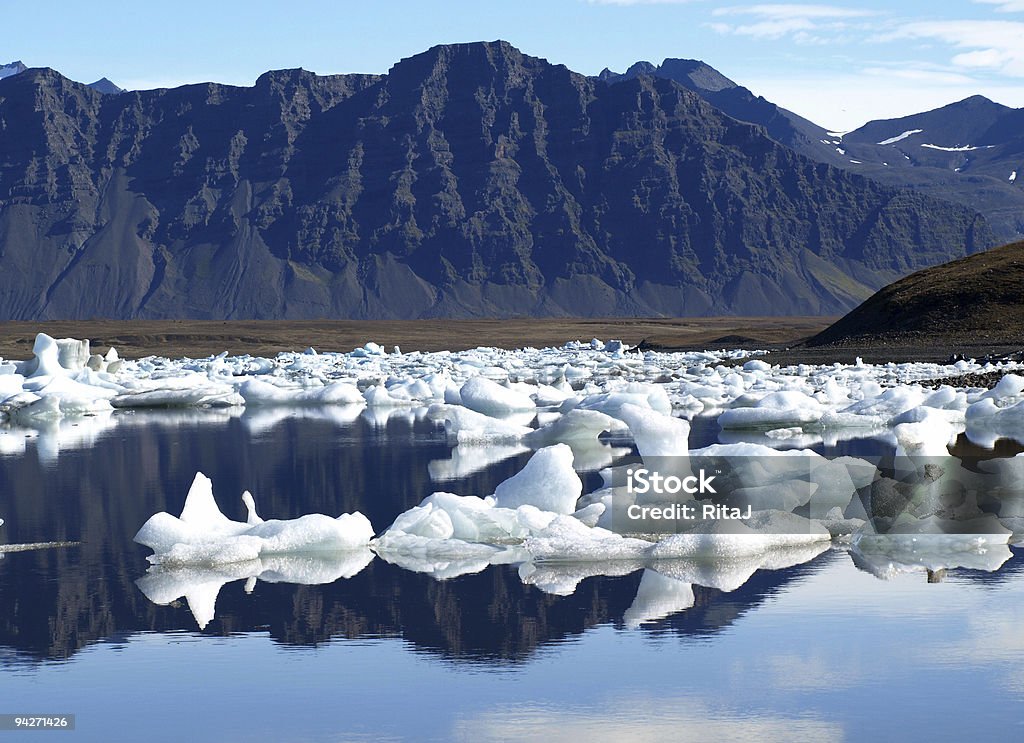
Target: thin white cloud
[
  {"x": 920, "y": 75},
  {"x": 1005, "y": 6},
  {"x": 785, "y": 11},
  {"x": 807, "y": 24},
  {"x": 640, "y": 2},
  {"x": 681, "y": 719},
  {"x": 993, "y": 46}
]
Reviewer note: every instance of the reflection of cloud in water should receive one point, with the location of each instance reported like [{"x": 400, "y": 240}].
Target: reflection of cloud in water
[
  {"x": 812, "y": 671},
  {"x": 200, "y": 586},
  {"x": 993, "y": 638},
  {"x": 656, "y": 717}
]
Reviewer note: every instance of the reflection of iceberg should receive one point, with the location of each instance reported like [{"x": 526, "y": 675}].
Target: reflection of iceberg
[
  {"x": 468, "y": 458},
  {"x": 200, "y": 586},
  {"x": 658, "y": 596},
  {"x": 442, "y": 566},
  {"x": 380, "y": 417},
  {"x": 56, "y": 435},
  {"x": 934, "y": 544},
  {"x": 561, "y": 579},
  {"x": 729, "y": 574},
  {"x": 204, "y": 535},
  {"x": 259, "y": 420}
]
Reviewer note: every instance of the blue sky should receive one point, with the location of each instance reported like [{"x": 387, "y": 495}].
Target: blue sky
[{"x": 839, "y": 64}]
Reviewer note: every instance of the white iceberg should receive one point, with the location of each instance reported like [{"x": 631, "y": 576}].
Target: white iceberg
[{"x": 203, "y": 535}]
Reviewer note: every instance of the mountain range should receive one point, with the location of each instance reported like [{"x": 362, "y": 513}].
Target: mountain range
[
  {"x": 968, "y": 152},
  {"x": 471, "y": 180}
]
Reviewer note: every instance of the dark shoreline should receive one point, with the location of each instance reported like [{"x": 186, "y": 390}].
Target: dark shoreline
[
  {"x": 784, "y": 337},
  {"x": 200, "y": 338}
]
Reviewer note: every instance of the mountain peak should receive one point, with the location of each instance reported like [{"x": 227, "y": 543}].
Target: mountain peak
[
  {"x": 12, "y": 68},
  {"x": 105, "y": 86},
  {"x": 700, "y": 74},
  {"x": 640, "y": 68}
]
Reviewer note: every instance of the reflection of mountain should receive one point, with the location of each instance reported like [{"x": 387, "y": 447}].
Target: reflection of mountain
[
  {"x": 101, "y": 495},
  {"x": 86, "y": 593}
]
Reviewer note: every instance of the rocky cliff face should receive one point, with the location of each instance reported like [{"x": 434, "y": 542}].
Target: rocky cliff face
[{"x": 471, "y": 180}]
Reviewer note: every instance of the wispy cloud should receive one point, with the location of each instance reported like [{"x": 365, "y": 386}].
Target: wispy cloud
[
  {"x": 804, "y": 23},
  {"x": 783, "y": 11},
  {"x": 993, "y": 46},
  {"x": 641, "y": 2},
  {"x": 1005, "y": 6},
  {"x": 919, "y": 75}
]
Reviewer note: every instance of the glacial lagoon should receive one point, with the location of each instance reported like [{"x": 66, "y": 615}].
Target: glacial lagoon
[{"x": 819, "y": 643}]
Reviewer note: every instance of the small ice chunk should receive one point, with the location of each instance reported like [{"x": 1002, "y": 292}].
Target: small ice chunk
[
  {"x": 257, "y": 392},
  {"x": 774, "y": 410},
  {"x": 490, "y": 398},
  {"x": 467, "y": 425},
  {"x": 656, "y": 434},
  {"x": 576, "y": 426}
]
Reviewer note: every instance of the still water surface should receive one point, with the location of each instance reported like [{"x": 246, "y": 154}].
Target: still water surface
[{"x": 819, "y": 651}]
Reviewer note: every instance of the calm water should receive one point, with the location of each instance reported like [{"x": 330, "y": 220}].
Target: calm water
[{"x": 820, "y": 651}]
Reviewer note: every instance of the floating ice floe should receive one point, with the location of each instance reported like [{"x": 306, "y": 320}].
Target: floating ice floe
[
  {"x": 257, "y": 392},
  {"x": 202, "y": 535}
]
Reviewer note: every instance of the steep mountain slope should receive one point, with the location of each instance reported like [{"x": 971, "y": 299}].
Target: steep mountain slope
[{"x": 471, "y": 180}]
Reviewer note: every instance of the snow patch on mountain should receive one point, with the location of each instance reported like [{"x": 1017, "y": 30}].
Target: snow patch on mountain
[{"x": 900, "y": 137}]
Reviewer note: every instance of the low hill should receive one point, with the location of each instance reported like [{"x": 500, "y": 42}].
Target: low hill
[{"x": 972, "y": 302}]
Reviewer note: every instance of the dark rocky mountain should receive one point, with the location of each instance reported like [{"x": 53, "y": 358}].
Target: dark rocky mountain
[
  {"x": 969, "y": 152},
  {"x": 103, "y": 85},
  {"x": 962, "y": 303},
  {"x": 784, "y": 126},
  {"x": 966, "y": 152},
  {"x": 470, "y": 180}
]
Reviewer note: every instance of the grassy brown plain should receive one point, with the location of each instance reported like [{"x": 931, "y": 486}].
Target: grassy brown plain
[{"x": 200, "y": 338}]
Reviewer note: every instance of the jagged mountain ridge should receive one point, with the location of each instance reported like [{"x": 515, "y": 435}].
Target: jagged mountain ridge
[
  {"x": 784, "y": 126},
  {"x": 103, "y": 85},
  {"x": 932, "y": 159},
  {"x": 471, "y": 180}
]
